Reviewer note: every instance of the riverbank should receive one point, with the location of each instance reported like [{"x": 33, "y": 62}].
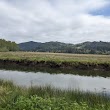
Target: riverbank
[
  {"x": 56, "y": 60},
  {"x": 38, "y": 98}
]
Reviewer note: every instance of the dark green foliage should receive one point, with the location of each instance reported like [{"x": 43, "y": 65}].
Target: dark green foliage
[
  {"x": 8, "y": 46},
  {"x": 58, "y": 47},
  {"x": 39, "y": 103}
]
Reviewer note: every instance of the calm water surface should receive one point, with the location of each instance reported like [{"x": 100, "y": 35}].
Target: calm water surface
[{"x": 60, "y": 81}]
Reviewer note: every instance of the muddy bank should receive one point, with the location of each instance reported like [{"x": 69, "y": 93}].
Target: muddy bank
[{"x": 53, "y": 64}]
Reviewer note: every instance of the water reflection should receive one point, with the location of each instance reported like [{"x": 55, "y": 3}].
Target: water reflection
[
  {"x": 60, "y": 81},
  {"x": 81, "y": 72}
]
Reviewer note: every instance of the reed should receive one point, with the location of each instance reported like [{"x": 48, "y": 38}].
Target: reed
[{"x": 19, "y": 98}]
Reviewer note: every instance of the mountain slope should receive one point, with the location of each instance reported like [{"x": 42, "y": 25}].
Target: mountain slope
[
  {"x": 81, "y": 48},
  {"x": 53, "y": 47},
  {"x": 95, "y": 47},
  {"x": 29, "y": 46}
]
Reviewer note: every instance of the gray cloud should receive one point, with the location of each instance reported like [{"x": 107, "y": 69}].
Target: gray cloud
[{"x": 53, "y": 20}]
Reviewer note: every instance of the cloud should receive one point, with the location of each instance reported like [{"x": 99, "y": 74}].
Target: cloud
[{"x": 53, "y": 20}]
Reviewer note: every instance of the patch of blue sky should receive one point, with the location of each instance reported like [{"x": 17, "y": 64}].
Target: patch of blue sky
[{"x": 105, "y": 11}]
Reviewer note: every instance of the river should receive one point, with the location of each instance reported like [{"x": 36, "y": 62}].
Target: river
[{"x": 61, "y": 81}]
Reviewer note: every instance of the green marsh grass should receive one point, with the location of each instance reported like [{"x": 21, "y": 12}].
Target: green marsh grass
[
  {"x": 47, "y": 98},
  {"x": 57, "y": 57},
  {"x": 57, "y": 60}
]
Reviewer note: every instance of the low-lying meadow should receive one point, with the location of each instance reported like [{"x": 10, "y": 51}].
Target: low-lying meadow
[{"x": 57, "y": 60}]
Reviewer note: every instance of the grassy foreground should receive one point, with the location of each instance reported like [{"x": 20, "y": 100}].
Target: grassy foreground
[
  {"x": 58, "y": 60},
  {"x": 37, "y": 98}
]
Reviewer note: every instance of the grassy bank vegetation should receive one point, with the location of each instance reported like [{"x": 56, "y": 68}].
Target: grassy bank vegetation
[
  {"x": 58, "y": 60},
  {"x": 38, "y": 98}
]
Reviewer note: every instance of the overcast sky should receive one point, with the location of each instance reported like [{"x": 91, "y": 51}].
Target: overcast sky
[{"x": 70, "y": 21}]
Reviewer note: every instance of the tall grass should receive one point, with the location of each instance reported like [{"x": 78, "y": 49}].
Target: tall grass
[{"x": 18, "y": 98}]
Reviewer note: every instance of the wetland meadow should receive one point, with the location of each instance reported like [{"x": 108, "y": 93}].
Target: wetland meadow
[{"x": 54, "y": 81}]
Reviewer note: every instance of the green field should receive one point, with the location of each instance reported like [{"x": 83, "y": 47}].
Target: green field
[
  {"x": 37, "y": 98},
  {"x": 59, "y": 60}
]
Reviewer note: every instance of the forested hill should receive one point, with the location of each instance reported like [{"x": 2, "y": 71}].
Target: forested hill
[
  {"x": 8, "y": 46},
  {"x": 45, "y": 47},
  {"x": 82, "y": 48},
  {"x": 29, "y": 46}
]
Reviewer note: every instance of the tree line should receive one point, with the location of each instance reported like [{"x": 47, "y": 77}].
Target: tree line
[
  {"x": 57, "y": 47},
  {"x": 6, "y": 46}
]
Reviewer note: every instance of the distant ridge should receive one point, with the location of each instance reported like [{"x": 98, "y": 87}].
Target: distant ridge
[
  {"x": 29, "y": 46},
  {"x": 59, "y": 47}
]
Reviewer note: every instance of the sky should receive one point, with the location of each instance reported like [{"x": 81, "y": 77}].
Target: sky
[{"x": 69, "y": 21}]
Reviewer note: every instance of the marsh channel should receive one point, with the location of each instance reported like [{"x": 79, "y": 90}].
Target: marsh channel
[{"x": 81, "y": 80}]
